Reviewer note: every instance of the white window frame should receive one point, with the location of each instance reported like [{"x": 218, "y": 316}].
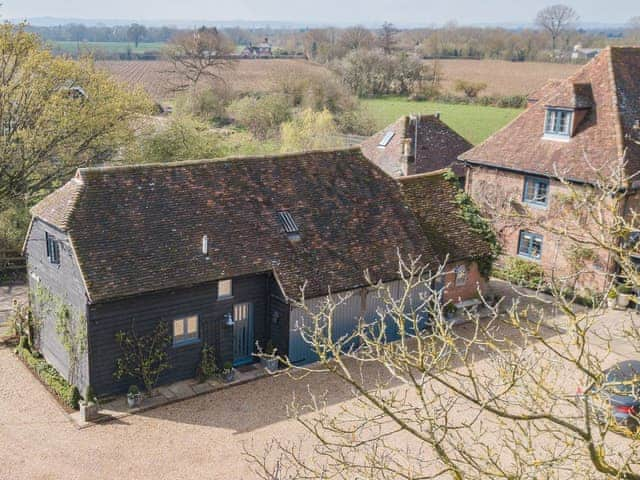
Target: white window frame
[
  {"x": 225, "y": 289},
  {"x": 531, "y": 238},
  {"x": 461, "y": 275},
  {"x": 188, "y": 335},
  {"x": 551, "y": 118}
]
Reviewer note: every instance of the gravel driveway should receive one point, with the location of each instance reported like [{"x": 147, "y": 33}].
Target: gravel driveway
[{"x": 200, "y": 438}]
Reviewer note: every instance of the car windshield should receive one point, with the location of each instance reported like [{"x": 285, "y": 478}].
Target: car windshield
[{"x": 623, "y": 388}]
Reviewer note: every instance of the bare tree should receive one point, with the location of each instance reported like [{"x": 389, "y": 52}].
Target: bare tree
[
  {"x": 356, "y": 38},
  {"x": 199, "y": 54},
  {"x": 494, "y": 398},
  {"x": 136, "y": 32},
  {"x": 555, "y": 19},
  {"x": 387, "y": 37}
]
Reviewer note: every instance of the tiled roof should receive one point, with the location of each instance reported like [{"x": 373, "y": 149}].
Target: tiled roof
[
  {"x": 430, "y": 197},
  {"x": 137, "y": 229},
  {"x": 438, "y": 146},
  {"x": 609, "y": 86}
]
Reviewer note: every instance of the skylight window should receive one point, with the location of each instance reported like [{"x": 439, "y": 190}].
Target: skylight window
[
  {"x": 386, "y": 139},
  {"x": 288, "y": 223}
]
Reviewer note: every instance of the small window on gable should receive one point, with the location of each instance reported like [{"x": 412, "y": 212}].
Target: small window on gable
[
  {"x": 461, "y": 275},
  {"x": 536, "y": 191},
  {"x": 558, "y": 122},
  {"x": 530, "y": 245},
  {"x": 225, "y": 289},
  {"x": 185, "y": 330},
  {"x": 386, "y": 139},
  {"x": 53, "y": 249}
]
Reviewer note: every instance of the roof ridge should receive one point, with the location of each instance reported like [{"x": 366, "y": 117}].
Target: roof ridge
[
  {"x": 616, "y": 103},
  {"x": 417, "y": 176},
  {"x": 205, "y": 161}
]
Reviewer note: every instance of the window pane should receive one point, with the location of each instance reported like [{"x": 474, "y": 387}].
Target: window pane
[
  {"x": 178, "y": 328},
  {"x": 192, "y": 326},
  {"x": 224, "y": 288}
]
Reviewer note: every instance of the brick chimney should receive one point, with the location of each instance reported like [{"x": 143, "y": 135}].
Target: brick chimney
[{"x": 409, "y": 145}]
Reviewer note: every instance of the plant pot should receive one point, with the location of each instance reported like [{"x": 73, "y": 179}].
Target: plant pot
[
  {"x": 134, "y": 400},
  {"x": 623, "y": 300},
  {"x": 612, "y": 302},
  {"x": 269, "y": 364},
  {"x": 229, "y": 376},
  {"x": 88, "y": 411}
]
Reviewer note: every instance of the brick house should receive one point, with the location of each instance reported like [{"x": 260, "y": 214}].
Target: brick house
[
  {"x": 579, "y": 129},
  {"x": 220, "y": 249},
  {"x": 416, "y": 144}
]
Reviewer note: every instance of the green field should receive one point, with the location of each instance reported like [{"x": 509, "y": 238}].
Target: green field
[
  {"x": 107, "y": 47},
  {"x": 473, "y": 122}
]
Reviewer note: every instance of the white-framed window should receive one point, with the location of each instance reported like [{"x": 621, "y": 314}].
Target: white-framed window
[
  {"x": 558, "y": 122},
  {"x": 225, "y": 289},
  {"x": 185, "y": 330},
  {"x": 530, "y": 245},
  {"x": 536, "y": 191},
  {"x": 461, "y": 275}
]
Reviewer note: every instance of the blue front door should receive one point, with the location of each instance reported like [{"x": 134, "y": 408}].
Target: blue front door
[{"x": 242, "y": 333}]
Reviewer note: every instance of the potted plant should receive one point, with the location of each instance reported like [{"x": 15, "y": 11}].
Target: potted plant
[
  {"x": 134, "y": 398},
  {"x": 228, "y": 372},
  {"x": 624, "y": 296},
  {"x": 269, "y": 362},
  {"x": 612, "y": 298},
  {"x": 88, "y": 406},
  {"x": 449, "y": 310}
]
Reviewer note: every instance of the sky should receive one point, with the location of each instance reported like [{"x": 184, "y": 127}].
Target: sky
[{"x": 407, "y": 12}]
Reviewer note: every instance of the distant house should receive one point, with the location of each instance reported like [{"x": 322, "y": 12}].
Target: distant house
[
  {"x": 261, "y": 50},
  {"x": 578, "y": 129},
  {"x": 220, "y": 249},
  {"x": 416, "y": 144},
  {"x": 580, "y": 53}
]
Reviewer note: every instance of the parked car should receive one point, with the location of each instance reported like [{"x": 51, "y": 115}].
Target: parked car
[{"x": 618, "y": 398}]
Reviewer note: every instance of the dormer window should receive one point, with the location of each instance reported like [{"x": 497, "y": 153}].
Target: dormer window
[{"x": 558, "y": 122}]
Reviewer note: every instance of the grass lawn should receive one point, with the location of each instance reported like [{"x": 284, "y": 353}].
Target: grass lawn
[
  {"x": 473, "y": 122},
  {"x": 110, "y": 47}
]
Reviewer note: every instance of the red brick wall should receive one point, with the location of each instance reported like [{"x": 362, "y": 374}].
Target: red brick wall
[
  {"x": 499, "y": 195},
  {"x": 469, "y": 289}
]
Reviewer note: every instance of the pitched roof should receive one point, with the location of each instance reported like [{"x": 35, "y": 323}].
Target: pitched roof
[
  {"x": 437, "y": 145},
  {"x": 609, "y": 88},
  {"x": 137, "y": 229},
  {"x": 431, "y": 198}
]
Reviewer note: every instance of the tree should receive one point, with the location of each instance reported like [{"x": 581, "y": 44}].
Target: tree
[
  {"x": 199, "y": 54},
  {"x": 56, "y": 115},
  {"x": 555, "y": 19},
  {"x": 136, "y": 32},
  {"x": 356, "y": 38},
  {"x": 495, "y": 398},
  {"x": 144, "y": 357},
  {"x": 309, "y": 130},
  {"x": 387, "y": 37}
]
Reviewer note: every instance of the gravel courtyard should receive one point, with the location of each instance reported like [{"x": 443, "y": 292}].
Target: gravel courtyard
[{"x": 200, "y": 438}]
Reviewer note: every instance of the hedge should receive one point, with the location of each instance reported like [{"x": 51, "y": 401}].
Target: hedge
[{"x": 67, "y": 393}]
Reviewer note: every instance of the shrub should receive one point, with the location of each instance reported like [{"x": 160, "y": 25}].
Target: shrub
[
  {"x": 184, "y": 138},
  {"x": 66, "y": 392},
  {"x": 309, "y": 131},
  {"x": 262, "y": 115},
  {"x": 470, "y": 89},
  {"x": 206, "y": 104},
  {"x": 208, "y": 365},
  {"x": 89, "y": 395},
  {"x": 358, "y": 122},
  {"x": 523, "y": 273}
]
